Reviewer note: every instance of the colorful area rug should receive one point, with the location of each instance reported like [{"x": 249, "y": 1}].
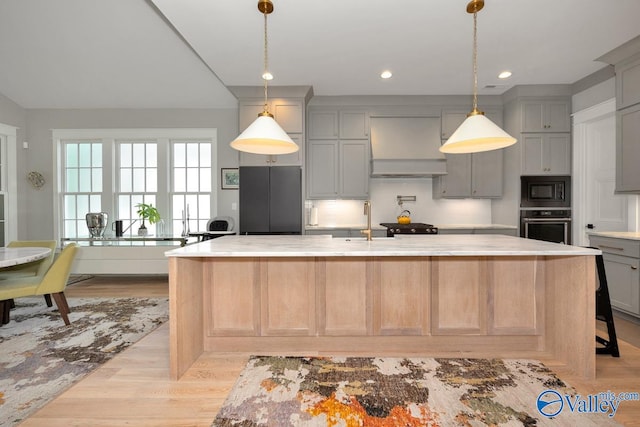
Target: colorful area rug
[
  {"x": 377, "y": 392},
  {"x": 40, "y": 357}
]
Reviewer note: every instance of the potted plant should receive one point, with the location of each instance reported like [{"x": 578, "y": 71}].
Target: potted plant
[{"x": 148, "y": 212}]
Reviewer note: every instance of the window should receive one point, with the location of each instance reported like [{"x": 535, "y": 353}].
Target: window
[
  {"x": 82, "y": 185},
  {"x": 113, "y": 171},
  {"x": 191, "y": 185}
]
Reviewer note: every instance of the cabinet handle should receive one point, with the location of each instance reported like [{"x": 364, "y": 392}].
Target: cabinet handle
[
  {"x": 612, "y": 247},
  {"x": 633, "y": 267}
]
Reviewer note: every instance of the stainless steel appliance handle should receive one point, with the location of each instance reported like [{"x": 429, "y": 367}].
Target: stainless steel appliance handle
[{"x": 546, "y": 219}]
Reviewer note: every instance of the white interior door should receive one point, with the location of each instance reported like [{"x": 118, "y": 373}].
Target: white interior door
[{"x": 596, "y": 207}]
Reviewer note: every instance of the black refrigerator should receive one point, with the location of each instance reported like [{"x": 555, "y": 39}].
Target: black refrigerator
[{"x": 270, "y": 200}]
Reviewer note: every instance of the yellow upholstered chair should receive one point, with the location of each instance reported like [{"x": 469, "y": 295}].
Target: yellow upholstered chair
[
  {"x": 36, "y": 268},
  {"x": 53, "y": 282}
]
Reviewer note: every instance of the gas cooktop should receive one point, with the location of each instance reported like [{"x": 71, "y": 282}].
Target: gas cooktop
[{"x": 411, "y": 228}]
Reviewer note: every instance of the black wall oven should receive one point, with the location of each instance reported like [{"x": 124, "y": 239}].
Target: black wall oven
[
  {"x": 545, "y": 191},
  {"x": 551, "y": 225}
]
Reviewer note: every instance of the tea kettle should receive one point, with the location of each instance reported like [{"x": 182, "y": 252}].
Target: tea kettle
[{"x": 404, "y": 217}]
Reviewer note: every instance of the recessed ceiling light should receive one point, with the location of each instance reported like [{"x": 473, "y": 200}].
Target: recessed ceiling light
[
  {"x": 267, "y": 76},
  {"x": 386, "y": 74},
  {"x": 504, "y": 75}
]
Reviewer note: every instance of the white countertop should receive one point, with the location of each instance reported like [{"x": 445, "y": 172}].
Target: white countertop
[
  {"x": 424, "y": 245},
  {"x": 21, "y": 255},
  {"x": 629, "y": 235}
]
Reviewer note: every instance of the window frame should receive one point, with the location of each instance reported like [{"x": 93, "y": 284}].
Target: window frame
[{"x": 110, "y": 139}]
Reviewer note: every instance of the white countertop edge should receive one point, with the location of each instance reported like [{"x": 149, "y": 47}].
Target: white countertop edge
[{"x": 324, "y": 246}]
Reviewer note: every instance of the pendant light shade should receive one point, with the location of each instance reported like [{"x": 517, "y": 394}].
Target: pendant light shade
[
  {"x": 477, "y": 133},
  {"x": 264, "y": 135}
]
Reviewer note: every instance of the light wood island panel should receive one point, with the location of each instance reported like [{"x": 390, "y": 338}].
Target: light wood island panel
[{"x": 477, "y": 306}]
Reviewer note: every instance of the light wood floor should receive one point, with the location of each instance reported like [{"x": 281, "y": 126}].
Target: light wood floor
[{"x": 134, "y": 389}]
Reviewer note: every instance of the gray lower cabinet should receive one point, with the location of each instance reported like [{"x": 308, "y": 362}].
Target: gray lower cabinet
[
  {"x": 346, "y": 232},
  {"x": 621, "y": 262},
  {"x": 472, "y": 230},
  {"x": 477, "y": 175},
  {"x": 338, "y": 169}
]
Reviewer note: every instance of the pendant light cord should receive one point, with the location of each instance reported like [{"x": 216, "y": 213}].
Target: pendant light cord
[
  {"x": 266, "y": 64},
  {"x": 475, "y": 61}
]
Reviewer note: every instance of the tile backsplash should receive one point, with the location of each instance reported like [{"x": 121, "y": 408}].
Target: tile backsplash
[{"x": 383, "y": 193}]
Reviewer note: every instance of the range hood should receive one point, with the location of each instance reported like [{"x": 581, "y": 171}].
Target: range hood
[{"x": 406, "y": 147}]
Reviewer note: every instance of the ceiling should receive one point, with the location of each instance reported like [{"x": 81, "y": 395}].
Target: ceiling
[{"x": 183, "y": 54}]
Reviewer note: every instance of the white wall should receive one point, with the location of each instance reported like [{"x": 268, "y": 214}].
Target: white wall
[{"x": 384, "y": 208}]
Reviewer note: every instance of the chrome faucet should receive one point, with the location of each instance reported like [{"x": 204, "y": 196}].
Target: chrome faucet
[{"x": 367, "y": 212}]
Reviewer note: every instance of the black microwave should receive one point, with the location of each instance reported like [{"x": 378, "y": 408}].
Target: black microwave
[{"x": 545, "y": 191}]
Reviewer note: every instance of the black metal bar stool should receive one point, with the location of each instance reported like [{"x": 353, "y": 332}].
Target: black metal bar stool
[{"x": 604, "y": 312}]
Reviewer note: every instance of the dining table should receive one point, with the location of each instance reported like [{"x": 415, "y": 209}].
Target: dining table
[{"x": 21, "y": 255}]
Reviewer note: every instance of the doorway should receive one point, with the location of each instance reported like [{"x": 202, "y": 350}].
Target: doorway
[{"x": 596, "y": 207}]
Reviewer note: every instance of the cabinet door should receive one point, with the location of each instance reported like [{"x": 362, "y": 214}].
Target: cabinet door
[
  {"x": 557, "y": 156},
  {"x": 322, "y": 169},
  {"x": 628, "y": 85},
  {"x": 288, "y": 113},
  {"x": 624, "y": 282},
  {"x": 628, "y": 150},
  {"x": 323, "y": 124},
  {"x": 546, "y": 154},
  {"x": 545, "y": 116},
  {"x": 486, "y": 174},
  {"x": 248, "y": 112},
  {"x": 354, "y": 125},
  {"x": 457, "y": 182},
  {"x": 354, "y": 169}
]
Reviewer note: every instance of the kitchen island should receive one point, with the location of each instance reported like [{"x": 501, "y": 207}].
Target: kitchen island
[{"x": 437, "y": 295}]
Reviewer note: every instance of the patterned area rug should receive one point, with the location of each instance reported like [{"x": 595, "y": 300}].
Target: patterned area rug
[
  {"x": 40, "y": 357},
  {"x": 377, "y": 392}
]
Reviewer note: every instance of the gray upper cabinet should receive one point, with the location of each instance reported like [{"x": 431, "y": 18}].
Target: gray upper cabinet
[
  {"x": 626, "y": 61},
  {"x": 338, "y": 169},
  {"x": 628, "y": 150},
  {"x": 546, "y": 154},
  {"x": 546, "y": 115},
  {"x": 289, "y": 113},
  {"x": 354, "y": 125},
  {"x": 477, "y": 175},
  {"x": 323, "y": 124},
  {"x": 628, "y": 84},
  {"x": 338, "y": 154},
  {"x": 354, "y": 169},
  {"x": 322, "y": 169}
]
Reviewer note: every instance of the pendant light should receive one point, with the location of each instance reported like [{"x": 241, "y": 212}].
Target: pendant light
[
  {"x": 477, "y": 133},
  {"x": 264, "y": 135}
]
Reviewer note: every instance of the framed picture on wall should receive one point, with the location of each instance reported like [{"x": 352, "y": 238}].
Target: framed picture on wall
[{"x": 230, "y": 178}]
